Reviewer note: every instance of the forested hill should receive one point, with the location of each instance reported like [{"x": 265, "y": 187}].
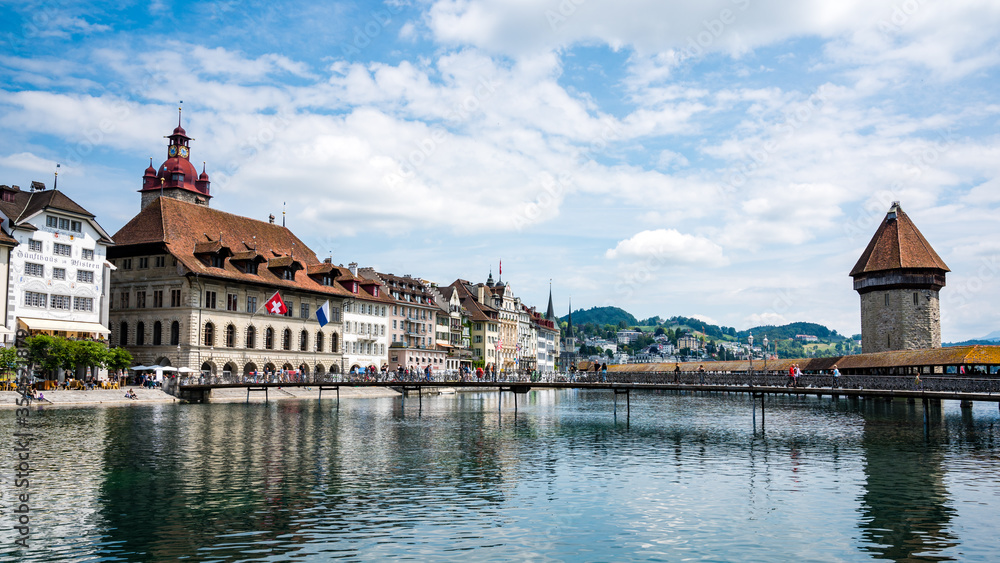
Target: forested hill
[
  {"x": 601, "y": 316},
  {"x": 790, "y": 330}
]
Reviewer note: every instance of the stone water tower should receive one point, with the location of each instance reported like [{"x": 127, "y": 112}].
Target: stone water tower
[{"x": 899, "y": 277}]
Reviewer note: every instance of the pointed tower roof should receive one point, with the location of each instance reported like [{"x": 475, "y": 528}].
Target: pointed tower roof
[
  {"x": 550, "y": 313},
  {"x": 897, "y": 245},
  {"x": 569, "y": 320}
]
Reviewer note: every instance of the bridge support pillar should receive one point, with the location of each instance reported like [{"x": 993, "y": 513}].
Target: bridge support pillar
[
  {"x": 966, "y": 404},
  {"x": 628, "y": 404}
]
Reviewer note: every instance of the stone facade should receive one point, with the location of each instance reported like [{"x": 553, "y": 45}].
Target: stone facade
[
  {"x": 898, "y": 278},
  {"x": 900, "y": 319},
  {"x": 182, "y": 195},
  {"x": 165, "y": 318}
]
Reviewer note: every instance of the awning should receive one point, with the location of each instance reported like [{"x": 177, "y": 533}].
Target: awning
[{"x": 66, "y": 326}]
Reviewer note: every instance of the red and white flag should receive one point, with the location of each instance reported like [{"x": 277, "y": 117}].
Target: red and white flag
[{"x": 275, "y": 305}]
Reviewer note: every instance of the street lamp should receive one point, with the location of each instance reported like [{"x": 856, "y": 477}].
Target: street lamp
[
  {"x": 765, "y": 353},
  {"x": 750, "y": 343}
]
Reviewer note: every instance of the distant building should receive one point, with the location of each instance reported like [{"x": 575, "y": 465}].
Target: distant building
[
  {"x": 899, "y": 277},
  {"x": 806, "y": 338},
  {"x": 413, "y": 317},
  {"x": 688, "y": 341},
  {"x": 485, "y": 323},
  {"x": 628, "y": 336}
]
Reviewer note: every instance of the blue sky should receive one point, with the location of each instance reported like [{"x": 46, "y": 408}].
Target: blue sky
[{"x": 724, "y": 159}]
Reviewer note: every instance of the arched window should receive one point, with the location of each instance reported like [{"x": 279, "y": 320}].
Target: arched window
[
  {"x": 286, "y": 339},
  {"x": 304, "y": 341},
  {"x": 209, "y": 334},
  {"x": 269, "y": 338},
  {"x": 333, "y": 343},
  {"x": 230, "y": 336},
  {"x": 319, "y": 341},
  {"x": 175, "y": 333},
  {"x": 251, "y": 337},
  {"x": 123, "y": 334},
  {"x": 140, "y": 334},
  {"x": 157, "y": 333}
]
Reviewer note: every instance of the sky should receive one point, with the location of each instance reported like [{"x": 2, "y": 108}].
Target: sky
[{"x": 727, "y": 160}]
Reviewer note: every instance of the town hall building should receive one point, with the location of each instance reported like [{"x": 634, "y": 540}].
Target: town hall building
[{"x": 191, "y": 283}]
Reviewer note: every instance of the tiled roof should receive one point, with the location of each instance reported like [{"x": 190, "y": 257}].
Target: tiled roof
[
  {"x": 6, "y": 239},
  {"x": 950, "y": 356},
  {"x": 897, "y": 244},
  {"x": 27, "y": 204},
  {"x": 181, "y": 227},
  {"x": 208, "y": 247},
  {"x": 477, "y": 311},
  {"x": 249, "y": 255},
  {"x": 285, "y": 262},
  {"x": 403, "y": 286}
]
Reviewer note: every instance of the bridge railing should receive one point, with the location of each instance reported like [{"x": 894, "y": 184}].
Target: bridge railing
[
  {"x": 779, "y": 379},
  {"x": 984, "y": 385}
]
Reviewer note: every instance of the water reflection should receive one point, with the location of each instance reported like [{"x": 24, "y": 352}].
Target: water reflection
[
  {"x": 689, "y": 477},
  {"x": 905, "y": 507}
]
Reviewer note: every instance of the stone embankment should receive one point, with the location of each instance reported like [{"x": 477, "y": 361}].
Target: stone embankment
[
  {"x": 8, "y": 399},
  {"x": 62, "y": 397}
]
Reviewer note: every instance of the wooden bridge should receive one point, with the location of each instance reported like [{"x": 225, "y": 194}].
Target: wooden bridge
[{"x": 758, "y": 384}]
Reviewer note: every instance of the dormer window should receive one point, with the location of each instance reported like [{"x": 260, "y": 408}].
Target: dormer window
[
  {"x": 218, "y": 261},
  {"x": 326, "y": 279},
  {"x": 250, "y": 267},
  {"x": 354, "y": 287},
  {"x": 288, "y": 274},
  {"x": 177, "y": 178}
]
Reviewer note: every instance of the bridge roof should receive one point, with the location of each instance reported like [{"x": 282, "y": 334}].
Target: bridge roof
[{"x": 950, "y": 356}]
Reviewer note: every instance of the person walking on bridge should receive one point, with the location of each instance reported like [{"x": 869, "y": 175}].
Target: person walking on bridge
[{"x": 836, "y": 376}]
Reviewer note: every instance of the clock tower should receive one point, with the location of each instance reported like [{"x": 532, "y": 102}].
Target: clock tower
[{"x": 176, "y": 177}]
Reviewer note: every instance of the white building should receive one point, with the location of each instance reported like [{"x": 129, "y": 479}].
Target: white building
[
  {"x": 365, "y": 319},
  {"x": 58, "y": 273}
]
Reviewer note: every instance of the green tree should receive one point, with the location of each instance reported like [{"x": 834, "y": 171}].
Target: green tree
[
  {"x": 659, "y": 331},
  {"x": 87, "y": 353},
  {"x": 118, "y": 359},
  {"x": 9, "y": 361},
  {"x": 609, "y": 353},
  {"x": 46, "y": 352}
]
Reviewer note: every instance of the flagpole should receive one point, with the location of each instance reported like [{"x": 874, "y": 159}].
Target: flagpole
[{"x": 262, "y": 306}]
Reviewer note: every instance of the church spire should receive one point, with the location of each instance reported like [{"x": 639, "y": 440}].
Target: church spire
[
  {"x": 569, "y": 320},
  {"x": 550, "y": 313}
]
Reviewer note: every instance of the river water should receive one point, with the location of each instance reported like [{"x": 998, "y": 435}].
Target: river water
[{"x": 455, "y": 477}]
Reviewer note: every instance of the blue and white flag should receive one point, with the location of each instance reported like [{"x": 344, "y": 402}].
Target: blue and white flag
[{"x": 323, "y": 313}]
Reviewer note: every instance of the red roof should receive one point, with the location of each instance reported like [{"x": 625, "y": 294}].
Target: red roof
[
  {"x": 898, "y": 244},
  {"x": 186, "y": 228}
]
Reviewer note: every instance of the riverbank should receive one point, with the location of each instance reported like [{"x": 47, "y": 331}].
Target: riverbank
[{"x": 56, "y": 398}]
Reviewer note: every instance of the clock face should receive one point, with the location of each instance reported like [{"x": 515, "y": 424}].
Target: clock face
[
  {"x": 172, "y": 151},
  {"x": 184, "y": 152}
]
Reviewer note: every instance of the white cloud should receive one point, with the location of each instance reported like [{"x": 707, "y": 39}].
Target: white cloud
[
  {"x": 765, "y": 319},
  {"x": 669, "y": 245},
  {"x": 30, "y": 163}
]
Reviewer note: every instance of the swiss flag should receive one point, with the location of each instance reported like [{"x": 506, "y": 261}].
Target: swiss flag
[{"x": 275, "y": 305}]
